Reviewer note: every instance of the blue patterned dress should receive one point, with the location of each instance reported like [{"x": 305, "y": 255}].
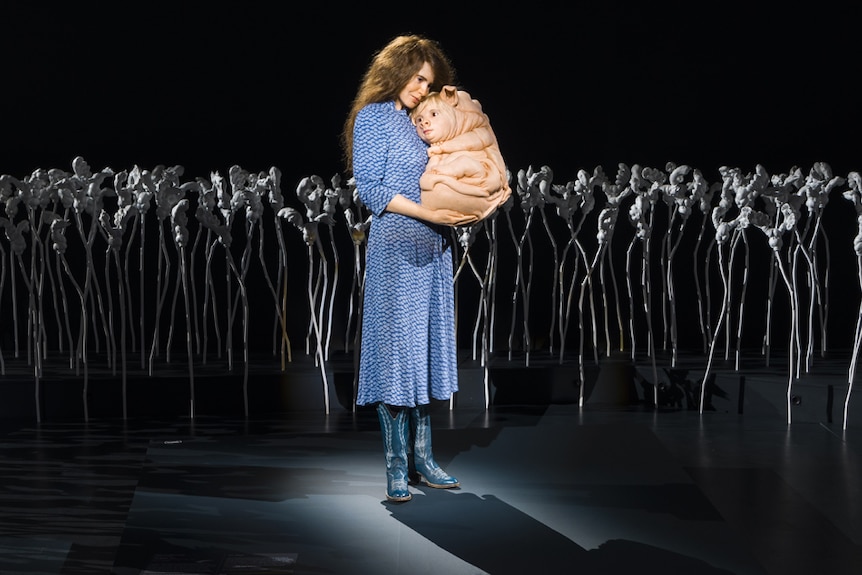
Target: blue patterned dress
[{"x": 408, "y": 349}]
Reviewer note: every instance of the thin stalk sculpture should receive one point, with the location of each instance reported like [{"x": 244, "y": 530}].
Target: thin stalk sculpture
[
  {"x": 575, "y": 196},
  {"x": 854, "y": 195},
  {"x": 205, "y": 214},
  {"x": 331, "y": 200},
  {"x": 726, "y": 230},
  {"x": 466, "y": 236},
  {"x": 9, "y": 227},
  {"x": 2, "y": 289},
  {"x": 165, "y": 201},
  {"x": 358, "y": 220},
  {"x": 644, "y": 184},
  {"x": 818, "y": 187},
  {"x": 491, "y": 229},
  {"x": 271, "y": 186},
  {"x": 178, "y": 193},
  {"x": 681, "y": 196},
  {"x": 742, "y": 191},
  {"x": 789, "y": 216},
  {"x": 130, "y": 220},
  {"x": 547, "y": 198},
  {"x": 614, "y": 193},
  {"x": 783, "y": 187},
  {"x": 36, "y": 200},
  {"x": 179, "y": 226},
  {"x": 704, "y": 318},
  {"x": 723, "y": 232},
  {"x": 60, "y": 245},
  {"x": 89, "y": 196},
  {"x": 114, "y": 229},
  {"x": 246, "y": 196},
  {"x": 16, "y": 202},
  {"x": 530, "y": 192},
  {"x": 143, "y": 200},
  {"x": 221, "y": 231},
  {"x": 15, "y": 234},
  {"x": 309, "y": 191}
]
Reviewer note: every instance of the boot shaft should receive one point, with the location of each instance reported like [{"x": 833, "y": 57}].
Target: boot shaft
[
  {"x": 396, "y": 432},
  {"x": 420, "y": 428},
  {"x": 423, "y": 457}
]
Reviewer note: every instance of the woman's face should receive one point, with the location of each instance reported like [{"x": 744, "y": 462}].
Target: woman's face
[{"x": 416, "y": 89}]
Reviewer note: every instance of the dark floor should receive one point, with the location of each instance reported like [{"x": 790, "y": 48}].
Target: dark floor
[{"x": 616, "y": 485}]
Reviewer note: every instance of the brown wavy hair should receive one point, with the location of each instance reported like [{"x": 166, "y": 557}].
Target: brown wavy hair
[{"x": 391, "y": 68}]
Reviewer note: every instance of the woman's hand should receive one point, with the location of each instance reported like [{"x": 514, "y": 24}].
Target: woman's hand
[
  {"x": 450, "y": 217},
  {"x": 401, "y": 205}
]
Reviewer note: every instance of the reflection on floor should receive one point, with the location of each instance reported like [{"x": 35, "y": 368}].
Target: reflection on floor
[{"x": 547, "y": 486}]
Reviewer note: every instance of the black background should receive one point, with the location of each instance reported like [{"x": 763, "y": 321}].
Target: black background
[{"x": 570, "y": 86}]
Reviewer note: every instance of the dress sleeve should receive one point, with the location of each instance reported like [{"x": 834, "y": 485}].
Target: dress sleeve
[{"x": 372, "y": 137}]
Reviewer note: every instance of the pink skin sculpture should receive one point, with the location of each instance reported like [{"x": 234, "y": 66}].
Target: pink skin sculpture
[{"x": 465, "y": 170}]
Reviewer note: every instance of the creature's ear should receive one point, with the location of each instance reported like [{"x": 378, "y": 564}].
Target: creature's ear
[{"x": 449, "y": 94}]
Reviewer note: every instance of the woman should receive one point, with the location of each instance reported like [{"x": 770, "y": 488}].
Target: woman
[{"x": 407, "y": 349}]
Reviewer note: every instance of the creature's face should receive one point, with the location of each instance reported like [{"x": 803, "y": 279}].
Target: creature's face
[{"x": 436, "y": 120}]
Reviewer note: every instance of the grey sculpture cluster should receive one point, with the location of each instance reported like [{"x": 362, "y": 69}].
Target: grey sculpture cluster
[{"x": 81, "y": 296}]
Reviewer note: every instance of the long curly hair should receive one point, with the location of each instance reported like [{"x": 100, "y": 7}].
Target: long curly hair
[{"x": 391, "y": 68}]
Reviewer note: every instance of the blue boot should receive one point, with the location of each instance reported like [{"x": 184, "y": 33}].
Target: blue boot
[
  {"x": 426, "y": 467},
  {"x": 395, "y": 433}
]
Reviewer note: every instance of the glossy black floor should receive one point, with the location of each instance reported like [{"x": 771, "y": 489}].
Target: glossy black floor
[{"x": 277, "y": 485}]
